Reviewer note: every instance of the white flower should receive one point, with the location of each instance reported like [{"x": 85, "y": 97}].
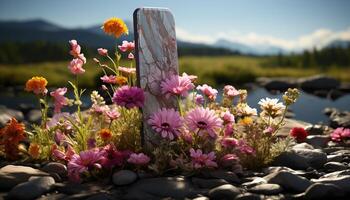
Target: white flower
[{"x": 271, "y": 107}]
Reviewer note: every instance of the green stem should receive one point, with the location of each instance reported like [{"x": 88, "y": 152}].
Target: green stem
[{"x": 115, "y": 66}]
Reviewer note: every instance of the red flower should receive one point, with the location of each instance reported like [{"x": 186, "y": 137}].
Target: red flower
[
  {"x": 10, "y": 136},
  {"x": 298, "y": 133}
]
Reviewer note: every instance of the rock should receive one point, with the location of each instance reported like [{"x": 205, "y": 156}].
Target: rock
[
  {"x": 318, "y": 141},
  {"x": 268, "y": 189},
  {"x": 335, "y": 158},
  {"x": 340, "y": 119},
  {"x": 320, "y": 191},
  {"x": 335, "y": 166},
  {"x": 256, "y": 181},
  {"x": 155, "y": 188},
  {"x": 11, "y": 175},
  {"x": 101, "y": 196},
  {"x": 344, "y": 87},
  {"x": 34, "y": 116},
  {"x": 317, "y": 129},
  {"x": 6, "y": 114},
  {"x": 208, "y": 183},
  {"x": 336, "y": 174},
  {"x": 303, "y": 146},
  {"x": 318, "y": 82},
  {"x": 248, "y": 196},
  {"x": 328, "y": 111},
  {"x": 55, "y": 167},
  {"x": 89, "y": 187},
  {"x": 288, "y": 181},
  {"x": 35, "y": 187},
  {"x": 292, "y": 160},
  {"x": 223, "y": 174},
  {"x": 315, "y": 158},
  {"x": 201, "y": 198},
  {"x": 124, "y": 177},
  {"x": 342, "y": 182},
  {"x": 226, "y": 191},
  {"x": 280, "y": 84}
]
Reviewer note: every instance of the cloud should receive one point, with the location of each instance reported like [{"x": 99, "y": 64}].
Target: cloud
[{"x": 319, "y": 38}]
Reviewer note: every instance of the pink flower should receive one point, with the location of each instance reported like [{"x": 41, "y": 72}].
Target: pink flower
[
  {"x": 269, "y": 130},
  {"x": 245, "y": 148},
  {"x": 126, "y": 46},
  {"x": 227, "y": 117},
  {"x": 228, "y": 130},
  {"x": 199, "y": 99},
  {"x": 202, "y": 120},
  {"x": 76, "y": 66},
  {"x": 129, "y": 97},
  {"x": 138, "y": 159},
  {"x": 83, "y": 163},
  {"x": 109, "y": 79},
  {"x": 166, "y": 122},
  {"x": 59, "y": 137},
  {"x": 201, "y": 160},
  {"x": 230, "y": 91},
  {"x": 340, "y": 134},
  {"x": 60, "y": 119},
  {"x": 99, "y": 109},
  {"x": 102, "y": 51},
  {"x": 176, "y": 85},
  {"x": 64, "y": 156},
  {"x": 186, "y": 136},
  {"x": 60, "y": 99},
  {"x": 127, "y": 70},
  {"x": 130, "y": 56},
  {"x": 208, "y": 91},
  {"x": 75, "y": 48},
  {"x": 112, "y": 157},
  {"x": 229, "y": 142},
  {"x": 229, "y": 159},
  {"x": 112, "y": 114}
]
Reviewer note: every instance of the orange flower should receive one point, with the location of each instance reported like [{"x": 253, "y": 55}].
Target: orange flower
[
  {"x": 246, "y": 121},
  {"x": 105, "y": 134},
  {"x": 121, "y": 80},
  {"x": 115, "y": 26},
  {"x": 13, "y": 132},
  {"x": 37, "y": 84},
  {"x": 34, "y": 150}
]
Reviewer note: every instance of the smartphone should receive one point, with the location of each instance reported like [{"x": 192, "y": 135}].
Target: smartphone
[{"x": 156, "y": 59}]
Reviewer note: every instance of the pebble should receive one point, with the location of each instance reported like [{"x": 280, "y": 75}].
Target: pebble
[
  {"x": 55, "y": 167},
  {"x": 318, "y": 141},
  {"x": 268, "y": 189},
  {"x": 34, "y": 188},
  {"x": 321, "y": 191},
  {"x": 288, "y": 181},
  {"x": 208, "y": 183},
  {"x": 248, "y": 196},
  {"x": 342, "y": 182},
  {"x": 256, "y": 181},
  {"x": 292, "y": 160},
  {"x": 223, "y": 174},
  {"x": 124, "y": 177},
  {"x": 335, "y": 166},
  {"x": 315, "y": 158},
  {"x": 226, "y": 191},
  {"x": 335, "y": 158},
  {"x": 11, "y": 175}
]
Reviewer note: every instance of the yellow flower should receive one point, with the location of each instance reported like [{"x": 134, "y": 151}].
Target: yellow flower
[
  {"x": 246, "y": 121},
  {"x": 121, "y": 80},
  {"x": 34, "y": 150},
  {"x": 105, "y": 134},
  {"x": 37, "y": 84},
  {"x": 115, "y": 26}
]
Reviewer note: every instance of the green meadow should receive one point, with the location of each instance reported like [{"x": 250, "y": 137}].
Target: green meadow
[{"x": 210, "y": 70}]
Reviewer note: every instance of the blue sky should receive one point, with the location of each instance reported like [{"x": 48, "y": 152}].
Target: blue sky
[{"x": 290, "y": 24}]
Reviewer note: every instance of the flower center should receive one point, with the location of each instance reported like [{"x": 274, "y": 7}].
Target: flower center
[
  {"x": 165, "y": 125},
  {"x": 201, "y": 124}
]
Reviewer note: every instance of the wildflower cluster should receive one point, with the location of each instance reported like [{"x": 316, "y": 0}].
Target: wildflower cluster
[{"x": 200, "y": 133}]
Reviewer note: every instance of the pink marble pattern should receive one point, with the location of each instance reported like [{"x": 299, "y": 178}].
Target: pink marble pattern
[{"x": 156, "y": 58}]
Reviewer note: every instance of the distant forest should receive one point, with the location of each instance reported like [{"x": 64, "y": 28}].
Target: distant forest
[{"x": 34, "y": 52}]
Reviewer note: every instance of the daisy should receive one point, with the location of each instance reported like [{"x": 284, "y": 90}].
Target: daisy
[
  {"x": 271, "y": 107},
  {"x": 166, "y": 122},
  {"x": 176, "y": 85},
  {"x": 201, "y": 160}
]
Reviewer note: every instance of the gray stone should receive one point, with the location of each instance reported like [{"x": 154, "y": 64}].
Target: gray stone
[
  {"x": 256, "y": 181},
  {"x": 226, "y": 191},
  {"x": 317, "y": 129},
  {"x": 318, "y": 141},
  {"x": 318, "y": 82},
  {"x": 223, "y": 174},
  {"x": 6, "y": 114},
  {"x": 55, "y": 167},
  {"x": 292, "y": 160},
  {"x": 340, "y": 119},
  {"x": 208, "y": 183},
  {"x": 268, "y": 189},
  {"x": 335, "y": 158},
  {"x": 34, "y": 116},
  {"x": 303, "y": 146},
  {"x": 321, "y": 191},
  {"x": 337, "y": 174},
  {"x": 201, "y": 198},
  {"x": 248, "y": 196},
  {"x": 124, "y": 177},
  {"x": 288, "y": 181},
  {"x": 343, "y": 182},
  {"x": 11, "y": 175},
  {"x": 315, "y": 158},
  {"x": 34, "y": 188},
  {"x": 335, "y": 166},
  {"x": 154, "y": 188}
]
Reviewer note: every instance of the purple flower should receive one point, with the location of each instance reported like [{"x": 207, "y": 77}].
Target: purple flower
[
  {"x": 129, "y": 97},
  {"x": 138, "y": 159},
  {"x": 84, "y": 162},
  {"x": 112, "y": 157},
  {"x": 166, "y": 122},
  {"x": 201, "y": 160},
  {"x": 202, "y": 120},
  {"x": 176, "y": 85}
]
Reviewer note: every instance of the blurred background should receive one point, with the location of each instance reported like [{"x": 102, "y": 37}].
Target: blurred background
[{"x": 222, "y": 42}]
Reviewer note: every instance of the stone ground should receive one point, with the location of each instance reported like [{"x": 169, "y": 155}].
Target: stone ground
[{"x": 316, "y": 169}]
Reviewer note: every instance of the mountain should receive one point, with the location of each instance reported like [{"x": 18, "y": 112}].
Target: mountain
[
  {"x": 246, "y": 49},
  {"x": 339, "y": 43}
]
